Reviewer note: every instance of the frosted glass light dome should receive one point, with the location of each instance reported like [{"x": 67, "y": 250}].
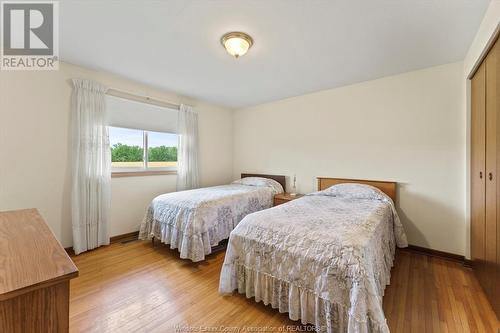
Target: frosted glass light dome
[{"x": 237, "y": 43}]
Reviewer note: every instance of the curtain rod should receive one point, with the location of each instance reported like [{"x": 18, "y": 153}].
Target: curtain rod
[{"x": 143, "y": 99}]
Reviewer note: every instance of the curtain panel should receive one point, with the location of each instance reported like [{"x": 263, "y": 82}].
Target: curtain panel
[
  {"x": 91, "y": 172},
  {"x": 187, "y": 155}
]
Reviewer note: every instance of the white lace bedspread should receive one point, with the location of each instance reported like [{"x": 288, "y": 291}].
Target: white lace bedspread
[
  {"x": 193, "y": 221},
  {"x": 324, "y": 260}
]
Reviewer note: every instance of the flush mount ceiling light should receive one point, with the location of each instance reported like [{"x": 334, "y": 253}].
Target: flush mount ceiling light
[{"x": 236, "y": 43}]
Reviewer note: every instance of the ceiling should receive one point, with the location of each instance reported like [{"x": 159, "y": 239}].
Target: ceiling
[{"x": 300, "y": 46}]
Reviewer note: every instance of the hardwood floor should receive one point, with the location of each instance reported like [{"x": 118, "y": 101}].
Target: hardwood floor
[
  {"x": 429, "y": 294},
  {"x": 133, "y": 287}
]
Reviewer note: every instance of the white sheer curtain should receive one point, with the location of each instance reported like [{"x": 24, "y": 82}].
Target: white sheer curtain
[
  {"x": 187, "y": 152},
  {"x": 91, "y": 166}
]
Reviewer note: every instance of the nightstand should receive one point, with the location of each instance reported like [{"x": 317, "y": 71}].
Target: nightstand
[{"x": 284, "y": 198}]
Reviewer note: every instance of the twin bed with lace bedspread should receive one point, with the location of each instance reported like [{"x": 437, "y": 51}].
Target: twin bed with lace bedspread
[
  {"x": 325, "y": 258},
  {"x": 196, "y": 220}
]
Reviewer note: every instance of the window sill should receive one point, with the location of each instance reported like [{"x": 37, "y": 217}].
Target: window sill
[{"x": 118, "y": 174}]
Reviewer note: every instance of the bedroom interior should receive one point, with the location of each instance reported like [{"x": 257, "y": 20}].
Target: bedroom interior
[{"x": 213, "y": 169}]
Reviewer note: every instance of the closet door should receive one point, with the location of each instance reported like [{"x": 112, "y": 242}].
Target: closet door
[
  {"x": 478, "y": 173},
  {"x": 492, "y": 222},
  {"x": 491, "y": 168}
]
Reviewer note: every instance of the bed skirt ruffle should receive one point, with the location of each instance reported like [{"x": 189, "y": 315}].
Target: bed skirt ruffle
[
  {"x": 190, "y": 246},
  {"x": 300, "y": 303}
]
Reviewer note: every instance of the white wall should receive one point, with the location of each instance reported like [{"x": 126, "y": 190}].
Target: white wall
[
  {"x": 35, "y": 157},
  {"x": 408, "y": 128}
]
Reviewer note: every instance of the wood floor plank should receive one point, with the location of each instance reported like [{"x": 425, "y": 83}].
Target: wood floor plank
[{"x": 134, "y": 287}]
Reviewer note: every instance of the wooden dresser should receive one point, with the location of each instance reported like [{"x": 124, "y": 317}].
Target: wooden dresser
[{"x": 34, "y": 275}]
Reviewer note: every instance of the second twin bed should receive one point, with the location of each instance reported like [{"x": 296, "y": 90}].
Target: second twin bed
[{"x": 197, "y": 220}]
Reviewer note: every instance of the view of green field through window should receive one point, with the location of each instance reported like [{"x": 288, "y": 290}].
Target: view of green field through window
[{"x": 127, "y": 148}]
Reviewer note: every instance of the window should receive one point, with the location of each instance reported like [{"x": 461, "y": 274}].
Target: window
[
  {"x": 134, "y": 150},
  {"x": 142, "y": 136},
  {"x": 162, "y": 149}
]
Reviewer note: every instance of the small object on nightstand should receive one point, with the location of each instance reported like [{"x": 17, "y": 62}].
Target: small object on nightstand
[
  {"x": 294, "y": 187},
  {"x": 285, "y": 197}
]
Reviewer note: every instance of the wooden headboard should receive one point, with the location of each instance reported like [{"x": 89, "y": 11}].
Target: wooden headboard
[
  {"x": 279, "y": 179},
  {"x": 388, "y": 188}
]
